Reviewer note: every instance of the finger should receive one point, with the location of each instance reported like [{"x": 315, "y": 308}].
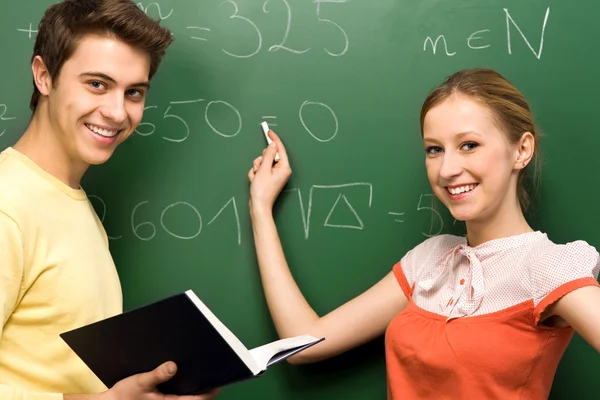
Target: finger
[
  {"x": 205, "y": 396},
  {"x": 280, "y": 148},
  {"x": 210, "y": 395},
  {"x": 257, "y": 163},
  {"x": 268, "y": 157},
  {"x": 251, "y": 174},
  {"x": 160, "y": 374}
]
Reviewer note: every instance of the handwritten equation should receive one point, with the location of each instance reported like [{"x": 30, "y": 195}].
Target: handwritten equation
[
  {"x": 353, "y": 212},
  {"x": 282, "y": 45},
  {"x": 175, "y": 109},
  {"x": 238, "y": 19},
  {"x": 475, "y": 41}
]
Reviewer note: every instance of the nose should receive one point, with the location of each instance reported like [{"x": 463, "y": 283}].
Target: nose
[
  {"x": 451, "y": 166},
  {"x": 114, "y": 108}
]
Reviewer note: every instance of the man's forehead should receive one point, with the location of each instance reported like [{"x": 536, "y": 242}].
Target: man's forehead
[{"x": 109, "y": 57}]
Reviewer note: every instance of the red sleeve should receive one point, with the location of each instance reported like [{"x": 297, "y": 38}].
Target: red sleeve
[
  {"x": 401, "y": 278},
  {"x": 562, "y": 269},
  {"x": 561, "y": 291}
]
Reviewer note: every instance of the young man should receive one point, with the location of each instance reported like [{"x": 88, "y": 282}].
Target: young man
[{"x": 92, "y": 63}]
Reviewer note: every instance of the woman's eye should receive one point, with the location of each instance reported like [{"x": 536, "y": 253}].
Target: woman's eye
[
  {"x": 469, "y": 146},
  {"x": 433, "y": 150}
]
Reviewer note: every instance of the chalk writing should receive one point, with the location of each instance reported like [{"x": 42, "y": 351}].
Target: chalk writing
[
  {"x": 162, "y": 220},
  {"x": 136, "y": 227},
  {"x": 167, "y": 115},
  {"x": 235, "y": 15},
  {"x": 434, "y": 212},
  {"x": 282, "y": 46},
  {"x": 396, "y": 214},
  {"x": 306, "y": 216},
  {"x": 308, "y": 103},
  {"x": 360, "y": 225},
  {"x": 144, "y": 124},
  {"x": 538, "y": 54},
  {"x": 3, "y": 117},
  {"x": 434, "y": 45},
  {"x": 328, "y": 21},
  {"x": 178, "y": 118},
  {"x": 473, "y": 37},
  {"x": 154, "y": 6},
  {"x": 200, "y": 29},
  {"x": 237, "y": 113},
  {"x": 147, "y": 128},
  {"x": 237, "y": 217},
  {"x": 28, "y": 31},
  {"x": 189, "y": 217},
  {"x": 146, "y": 230},
  {"x": 475, "y": 41},
  {"x": 268, "y": 118}
]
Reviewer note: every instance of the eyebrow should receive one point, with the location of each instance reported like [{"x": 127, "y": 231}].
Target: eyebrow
[
  {"x": 459, "y": 135},
  {"x": 145, "y": 84}
]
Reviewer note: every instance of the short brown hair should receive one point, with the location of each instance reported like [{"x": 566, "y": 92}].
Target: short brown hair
[
  {"x": 65, "y": 23},
  {"x": 508, "y": 106}
]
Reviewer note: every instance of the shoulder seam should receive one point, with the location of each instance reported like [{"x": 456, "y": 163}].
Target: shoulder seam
[{"x": 22, "y": 239}]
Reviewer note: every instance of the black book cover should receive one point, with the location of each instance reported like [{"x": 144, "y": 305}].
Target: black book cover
[{"x": 140, "y": 340}]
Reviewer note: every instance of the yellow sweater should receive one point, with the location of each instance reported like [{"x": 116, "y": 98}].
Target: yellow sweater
[{"x": 56, "y": 274}]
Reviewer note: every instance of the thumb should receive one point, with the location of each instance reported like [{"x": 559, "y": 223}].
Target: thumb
[
  {"x": 269, "y": 156},
  {"x": 160, "y": 374}
]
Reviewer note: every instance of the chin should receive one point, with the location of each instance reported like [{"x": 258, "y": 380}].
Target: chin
[
  {"x": 463, "y": 215},
  {"x": 98, "y": 158}
]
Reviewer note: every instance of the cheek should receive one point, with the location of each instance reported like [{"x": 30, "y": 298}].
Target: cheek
[
  {"x": 59, "y": 101},
  {"x": 135, "y": 113},
  {"x": 84, "y": 105},
  {"x": 495, "y": 167},
  {"x": 432, "y": 167}
]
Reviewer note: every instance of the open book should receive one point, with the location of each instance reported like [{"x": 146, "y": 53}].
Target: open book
[{"x": 182, "y": 329}]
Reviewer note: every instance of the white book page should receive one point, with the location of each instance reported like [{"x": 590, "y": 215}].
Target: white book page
[
  {"x": 264, "y": 353},
  {"x": 229, "y": 337}
]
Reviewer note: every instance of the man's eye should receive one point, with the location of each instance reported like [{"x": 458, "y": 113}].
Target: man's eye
[
  {"x": 97, "y": 85},
  {"x": 135, "y": 93}
]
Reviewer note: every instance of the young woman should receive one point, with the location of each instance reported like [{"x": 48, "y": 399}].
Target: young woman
[{"x": 488, "y": 315}]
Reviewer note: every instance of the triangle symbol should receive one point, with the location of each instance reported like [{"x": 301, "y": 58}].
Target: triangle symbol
[{"x": 351, "y": 218}]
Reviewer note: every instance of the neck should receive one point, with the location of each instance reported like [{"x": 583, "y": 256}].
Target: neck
[
  {"x": 43, "y": 145},
  {"x": 508, "y": 221}
]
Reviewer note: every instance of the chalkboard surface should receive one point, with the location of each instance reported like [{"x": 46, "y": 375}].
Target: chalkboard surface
[{"x": 342, "y": 82}]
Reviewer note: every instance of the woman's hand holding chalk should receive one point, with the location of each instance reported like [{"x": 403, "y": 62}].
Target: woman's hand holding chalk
[{"x": 265, "y": 128}]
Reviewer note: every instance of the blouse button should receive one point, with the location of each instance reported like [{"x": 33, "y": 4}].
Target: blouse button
[{"x": 462, "y": 281}]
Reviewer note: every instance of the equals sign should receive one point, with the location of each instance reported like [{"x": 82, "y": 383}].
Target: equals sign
[
  {"x": 396, "y": 214},
  {"x": 268, "y": 117},
  {"x": 199, "y": 29}
]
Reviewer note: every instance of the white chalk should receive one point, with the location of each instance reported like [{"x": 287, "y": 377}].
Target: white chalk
[{"x": 265, "y": 128}]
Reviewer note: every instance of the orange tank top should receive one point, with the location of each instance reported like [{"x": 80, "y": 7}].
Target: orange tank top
[{"x": 471, "y": 329}]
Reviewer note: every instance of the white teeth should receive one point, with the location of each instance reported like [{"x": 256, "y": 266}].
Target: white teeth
[
  {"x": 102, "y": 132},
  {"x": 461, "y": 189}
]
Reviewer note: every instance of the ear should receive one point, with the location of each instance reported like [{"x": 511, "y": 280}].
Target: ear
[
  {"x": 41, "y": 76},
  {"x": 525, "y": 149}
]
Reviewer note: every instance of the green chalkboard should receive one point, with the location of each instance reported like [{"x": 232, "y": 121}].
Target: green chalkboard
[{"x": 342, "y": 82}]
